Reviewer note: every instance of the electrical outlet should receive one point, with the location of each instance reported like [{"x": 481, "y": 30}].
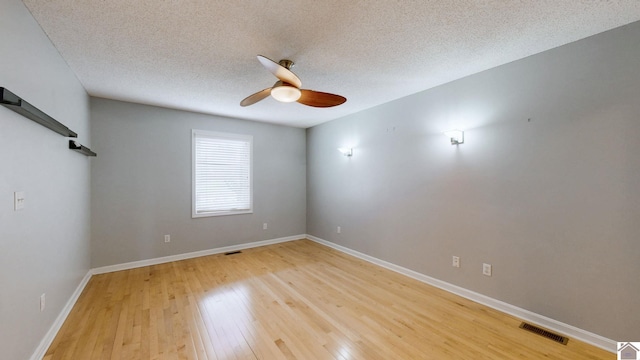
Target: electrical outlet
[
  {"x": 43, "y": 298},
  {"x": 167, "y": 238},
  {"x": 265, "y": 226},
  {"x": 486, "y": 269},
  {"x": 338, "y": 230},
  {"x": 456, "y": 261}
]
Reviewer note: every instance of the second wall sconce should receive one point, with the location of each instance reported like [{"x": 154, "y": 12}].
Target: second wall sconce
[
  {"x": 456, "y": 136},
  {"x": 346, "y": 151}
]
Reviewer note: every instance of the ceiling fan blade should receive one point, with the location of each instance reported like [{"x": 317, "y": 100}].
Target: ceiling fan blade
[
  {"x": 320, "y": 99},
  {"x": 280, "y": 71},
  {"x": 254, "y": 98}
]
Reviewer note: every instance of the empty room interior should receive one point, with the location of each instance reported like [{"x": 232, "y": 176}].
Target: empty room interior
[{"x": 319, "y": 180}]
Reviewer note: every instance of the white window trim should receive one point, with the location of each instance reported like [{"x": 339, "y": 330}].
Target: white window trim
[{"x": 248, "y": 138}]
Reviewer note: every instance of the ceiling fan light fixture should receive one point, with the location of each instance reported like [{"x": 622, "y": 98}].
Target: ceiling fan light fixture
[
  {"x": 287, "y": 88},
  {"x": 286, "y": 93}
]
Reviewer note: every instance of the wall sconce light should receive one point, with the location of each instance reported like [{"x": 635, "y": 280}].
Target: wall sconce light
[
  {"x": 456, "y": 136},
  {"x": 346, "y": 151}
]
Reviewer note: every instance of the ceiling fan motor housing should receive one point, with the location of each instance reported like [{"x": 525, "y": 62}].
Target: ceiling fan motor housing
[{"x": 288, "y": 64}]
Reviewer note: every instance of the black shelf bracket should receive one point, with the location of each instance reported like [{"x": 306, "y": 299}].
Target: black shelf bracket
[
  {"x": 74, "y": 145},
  {"x": 19, "y": 105}
]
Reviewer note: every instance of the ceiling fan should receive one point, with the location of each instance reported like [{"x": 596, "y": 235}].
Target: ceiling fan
[{"x": 287, "y": 88}]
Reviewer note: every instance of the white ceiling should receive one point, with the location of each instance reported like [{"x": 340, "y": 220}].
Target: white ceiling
[{"x": 200, "y": 55}]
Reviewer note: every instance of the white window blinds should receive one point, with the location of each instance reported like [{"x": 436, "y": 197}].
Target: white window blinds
[{"x": 222, "y": 173}]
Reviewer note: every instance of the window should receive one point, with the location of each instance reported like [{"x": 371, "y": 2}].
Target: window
[{"x": 222, "y": 174}]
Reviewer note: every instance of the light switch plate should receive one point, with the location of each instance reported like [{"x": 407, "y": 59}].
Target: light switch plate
[{"x": 18, "y": 200}]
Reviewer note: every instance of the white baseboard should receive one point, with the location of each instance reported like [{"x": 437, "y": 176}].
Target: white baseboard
[
  {"x": 551, "y": 324},
  {"x": 571, "y": 331},
  {"x": 53, "y": 331},
  {"x": 195, "y": 254}
]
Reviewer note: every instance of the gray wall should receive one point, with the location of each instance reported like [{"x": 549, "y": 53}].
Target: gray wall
[
  {"x": 552, "y": 203},
  {"x": 44, "y": 248},
  {"x": 141, "y": 183}
]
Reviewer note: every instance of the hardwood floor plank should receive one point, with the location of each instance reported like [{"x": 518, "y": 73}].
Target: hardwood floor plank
[{"x": 295, "y": 300}]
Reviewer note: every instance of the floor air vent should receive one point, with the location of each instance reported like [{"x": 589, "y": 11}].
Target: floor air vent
[
  {"x": 233, "y": 252},
  {"x": 542, "y": 332}
]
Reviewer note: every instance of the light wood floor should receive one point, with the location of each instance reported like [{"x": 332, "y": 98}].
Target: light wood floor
[{"x": 296, "y": 300}]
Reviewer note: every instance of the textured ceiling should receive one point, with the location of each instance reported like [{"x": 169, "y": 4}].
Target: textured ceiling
[{"x": 201, "y": 55}]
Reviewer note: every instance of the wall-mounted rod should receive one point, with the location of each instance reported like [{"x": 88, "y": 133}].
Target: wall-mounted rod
[
  {"x": 74, "y": 145},
  {"x": 17, "y": 104}
]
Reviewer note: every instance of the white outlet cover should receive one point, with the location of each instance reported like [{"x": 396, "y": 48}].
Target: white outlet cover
[
  {"x": 265, "y": 226},
  {"x": 455, "y": 261},
  {"x": 339, "y": 230},
  {"x": 167, "y": 238},
  {"x": 486, "y": 269},
  {"x": 43, "y": 298}
]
